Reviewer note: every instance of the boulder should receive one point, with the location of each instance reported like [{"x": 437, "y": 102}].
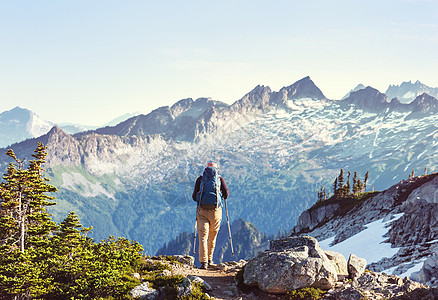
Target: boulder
[
  {"x": 356, "y": 266},
  {"x": 428, "y": 273},
  {"x": 292, "y": 263},
  {"x": 143, "y": 291},
  {"x": 185, "y": 259},
  {"x": 204, "y": 284},
  {"x": 339, "y": 262}
]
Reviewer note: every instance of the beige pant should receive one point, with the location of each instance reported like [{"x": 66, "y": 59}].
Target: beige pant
[{"x": 208, "y": 222}]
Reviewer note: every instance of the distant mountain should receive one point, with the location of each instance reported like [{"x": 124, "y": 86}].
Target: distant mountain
[
  {"x": 274, "y": 148},
  {"x": 357, "y": 88},
  {"x": 181, "y": 121},
  {"x": 395, "y": 230},
  {"x": 19, "y": 124},
  {"x": 120, "y": 119},
  {"x": 368, "y": 99},
  {"x": 408, "y": 91}
]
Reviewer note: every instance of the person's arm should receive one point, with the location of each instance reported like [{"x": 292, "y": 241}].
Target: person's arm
[
  {"x": 197, "y": 187},
  {"x": 224, "y": 188}
]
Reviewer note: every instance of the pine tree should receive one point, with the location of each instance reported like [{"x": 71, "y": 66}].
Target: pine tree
[
  {"x": 39, "y": 260},
  {"x": 322, "y": 194},
  {"x": 341, "y": 182},
  {"x": 25, "y": 226},
  {"x": 347, "y": 185},
  {"x": 355, "y": 185},
  {"x": 367, "y": 176},
  {"x": 335, "y": 187}
]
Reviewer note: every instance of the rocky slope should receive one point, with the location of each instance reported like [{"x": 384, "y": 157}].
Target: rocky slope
[{"x": 409, "y": 210}]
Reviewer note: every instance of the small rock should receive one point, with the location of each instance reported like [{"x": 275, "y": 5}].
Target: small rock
[
  {"x": 356, "y": 266},
  {"x": 186, "y": 259},
  {"x": 204, "y": 284},
  {"x": 136, "y": 276},
  {"x": 165, "y": 273},
  {"x": 143, "y": 291},
  {"x": 221, "y": 266}
]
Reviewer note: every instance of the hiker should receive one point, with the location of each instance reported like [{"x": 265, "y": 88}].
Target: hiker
[{"x": 210, "y": 189}]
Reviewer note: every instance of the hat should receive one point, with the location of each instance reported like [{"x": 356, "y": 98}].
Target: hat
[{"x": 212, "y": 164}]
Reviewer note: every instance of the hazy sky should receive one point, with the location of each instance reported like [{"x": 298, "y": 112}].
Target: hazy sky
[{"x": 91, "y": 61}]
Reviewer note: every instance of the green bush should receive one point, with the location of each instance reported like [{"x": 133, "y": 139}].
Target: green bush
[{"x": 307, "y": 293}]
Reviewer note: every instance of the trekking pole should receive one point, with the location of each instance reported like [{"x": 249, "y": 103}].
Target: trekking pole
[
  {"x": 196, "y": 227},
  {"x": 229, "y": 230}
]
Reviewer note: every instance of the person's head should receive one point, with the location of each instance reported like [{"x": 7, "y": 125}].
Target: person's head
[{"x": 212, "y": 164}]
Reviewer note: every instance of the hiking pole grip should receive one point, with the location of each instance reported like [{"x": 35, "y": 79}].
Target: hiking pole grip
[{"x": 229, "y": 229}]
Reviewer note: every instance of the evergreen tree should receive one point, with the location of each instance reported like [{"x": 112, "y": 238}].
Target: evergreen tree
[
  {"x": 341, "y": 182},
  {"x": 25, "y": 226},
  {"x": 347, "y": 185},
  {"x": 355, "y": 184},
  {"x": 322, "y": 194},
  {"x": 360, "y": 186},
  {"x": 367, "y": 176},
  {"x": 39, "y": 260},
  {"x": 335, "y": 187}
]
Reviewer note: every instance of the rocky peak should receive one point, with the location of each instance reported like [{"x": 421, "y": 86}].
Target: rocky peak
[
  {"x": 360, "y": 86},
  {"x": 368, "y": 99},
  {"x": 304, "y": 88},
  {"x": 425, "y": 104},
  {"x": 256, "y": 99},
  {"x": 181, "y": 106}
]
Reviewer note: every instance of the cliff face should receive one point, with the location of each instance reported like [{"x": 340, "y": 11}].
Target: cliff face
[{"x": 413, "y": 234}]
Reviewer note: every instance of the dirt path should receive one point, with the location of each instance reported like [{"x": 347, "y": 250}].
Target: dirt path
[{"x": 224, "y": 286}]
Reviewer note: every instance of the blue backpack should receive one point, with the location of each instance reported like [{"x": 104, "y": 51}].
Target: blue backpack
[{"x": 209, "y": 195}]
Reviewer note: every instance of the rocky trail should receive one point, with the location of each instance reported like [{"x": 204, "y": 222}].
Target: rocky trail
[{"x": 223, "y": 284}]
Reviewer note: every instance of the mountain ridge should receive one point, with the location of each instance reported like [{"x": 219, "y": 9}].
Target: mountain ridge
[{"x": 271, "y": 149}]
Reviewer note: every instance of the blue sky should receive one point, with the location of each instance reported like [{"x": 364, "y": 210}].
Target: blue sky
[{"x": 91, "y": 61}]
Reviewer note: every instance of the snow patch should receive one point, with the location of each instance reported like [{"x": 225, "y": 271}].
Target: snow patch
[
  {"x": 409, "y": 95},
  {"x": 368, "y": 243},
  {"x": 77, "y": 183},
  {"x": 415, "y": 268}
]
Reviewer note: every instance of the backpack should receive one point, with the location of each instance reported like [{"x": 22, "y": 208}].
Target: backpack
[{"x": 209, "y": 195}]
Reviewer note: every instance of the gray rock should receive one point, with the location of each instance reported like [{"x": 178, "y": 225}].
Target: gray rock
[
  {"x": 379, "y": 286},
  {"x": 339, "y": 262},
  {"x": 311, "y": 218},
  {"x": 429, "y": 271},
  {"x": 301, "y": 264},
  {"x": 196, "y": 279},
  {"x": 136, "y": 276},
  {"x": 185, "y": 259},
  {"x": 165, "y": 273},
  {"x": 356, "y": 266},
  {"x": 143, "y": 291},
  {"x": 185, "y": 288}
]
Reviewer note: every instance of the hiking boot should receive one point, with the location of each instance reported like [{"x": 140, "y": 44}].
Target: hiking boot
[
  {"x": 211, "y": 264},
  {"x": 204, "y": 266}
]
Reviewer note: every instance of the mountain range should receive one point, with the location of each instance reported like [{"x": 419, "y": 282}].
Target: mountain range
[
  {"x": 19, "y": 124},
  {"x": 274, "y": 148}
]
